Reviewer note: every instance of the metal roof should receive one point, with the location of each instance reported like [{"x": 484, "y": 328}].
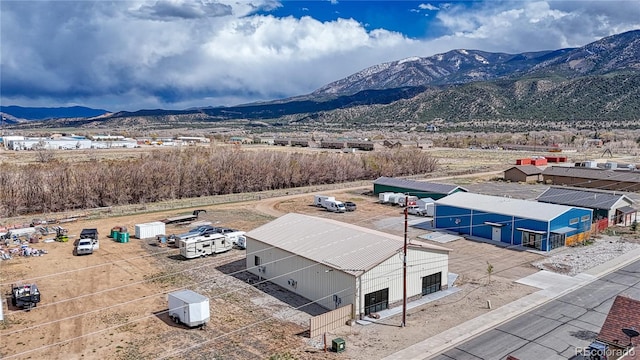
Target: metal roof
[
  {"x": 503, "y": 205},
  {"x": 345, "y": 247},
  {"x": 582, "y": 198},
  {"x": 418, "y": 185},
  {"x": 527, "y": 169},
  {"x": 594, "y": 174}
]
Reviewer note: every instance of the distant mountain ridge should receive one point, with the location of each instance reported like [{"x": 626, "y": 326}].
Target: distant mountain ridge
[
  {"x": 599, "y": 81},
  {"x": 43, "y": 113}
]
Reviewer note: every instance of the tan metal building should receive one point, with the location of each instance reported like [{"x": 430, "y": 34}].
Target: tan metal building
[
  {"x": 334, "y": 264},
  {"x": 523, "y": 173}
]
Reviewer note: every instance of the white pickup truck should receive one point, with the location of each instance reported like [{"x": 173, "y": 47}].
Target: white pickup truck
[{"x": 84, "y": 247}]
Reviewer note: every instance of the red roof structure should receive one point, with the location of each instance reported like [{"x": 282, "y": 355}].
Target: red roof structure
[{"x": 624, "y": 314}]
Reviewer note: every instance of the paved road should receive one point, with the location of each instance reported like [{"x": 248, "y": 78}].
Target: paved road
[{"x": 556, "y": 329}]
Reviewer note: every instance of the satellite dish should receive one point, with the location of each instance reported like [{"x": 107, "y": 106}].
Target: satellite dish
[{"x": 631, "y": 333}]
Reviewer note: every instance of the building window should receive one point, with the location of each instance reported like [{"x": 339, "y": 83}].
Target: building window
[
  {"x": 585, "y": 218},
  {"x": 256, "y": 261},
  {"x": 431, "y": 283},
  {"x": 574, "y": 221}
]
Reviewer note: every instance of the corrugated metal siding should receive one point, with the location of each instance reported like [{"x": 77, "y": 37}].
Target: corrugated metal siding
[
  {"x": 582, "y": 198},
  {"x": 388, "y": 274},
  {"x": 313, "y": 281},
  {"x": 336, "y": 244},
  {"x": 418, "y": 188},
  {"x": 503, "y": 205}
]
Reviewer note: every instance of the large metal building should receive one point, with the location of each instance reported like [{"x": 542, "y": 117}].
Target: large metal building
[
  {"x": 334, "y": 264},
  {"x": 620, "y": 180},
  {"x": 513, "y": 221},
  {"x": 421, "y": 189},
  {"x": 615, "y": 207}
]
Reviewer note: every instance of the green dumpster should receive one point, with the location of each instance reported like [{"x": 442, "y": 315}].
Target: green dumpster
[
  {"x": 338, "y": 345},
  {"x": 114, "y": 233},
  {"x": 124, "y": 237}
]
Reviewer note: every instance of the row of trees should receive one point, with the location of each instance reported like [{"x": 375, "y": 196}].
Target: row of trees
[{"x": 192, "y": 172}]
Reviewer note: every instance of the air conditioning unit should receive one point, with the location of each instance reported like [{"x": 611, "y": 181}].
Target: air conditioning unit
[{"x": 293, "y": 283}]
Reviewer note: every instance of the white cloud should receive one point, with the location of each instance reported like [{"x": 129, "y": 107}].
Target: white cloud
[
  {"x": 428, "y": 7},
  {"x": 176, "y": 54}
]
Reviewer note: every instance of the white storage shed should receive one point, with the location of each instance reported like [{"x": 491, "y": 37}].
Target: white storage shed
[
  {"x": 334, "y": 263},
  {"x": 149, "y": 230}
]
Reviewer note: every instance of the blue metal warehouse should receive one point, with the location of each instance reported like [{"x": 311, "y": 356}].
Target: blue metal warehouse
[{"x": 513, "y": 221}]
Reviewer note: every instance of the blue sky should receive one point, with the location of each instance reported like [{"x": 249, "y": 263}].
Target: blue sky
[{"x": 177, "y": 54}]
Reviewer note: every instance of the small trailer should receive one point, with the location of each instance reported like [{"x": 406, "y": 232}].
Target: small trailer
[
  {"x": 25, "y": 296},
  {"x": 412, "y": 200},
  {"x": 383, "y": 197},
  {"x": 319, "y": 199},
  {"x": 201, "y": 246},
  {"x": 189, "y": 308},
  {"x": 183, "y": 218}
]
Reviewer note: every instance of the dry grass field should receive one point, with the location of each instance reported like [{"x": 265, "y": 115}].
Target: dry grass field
[{"x": 112, "y": 304}]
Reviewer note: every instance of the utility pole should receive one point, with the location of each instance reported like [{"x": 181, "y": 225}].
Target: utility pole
[{"x": 404, "y": 263}]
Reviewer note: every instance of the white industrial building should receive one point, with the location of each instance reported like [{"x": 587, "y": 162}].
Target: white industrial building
[
  {"x": 63, "y": 143},
  {"x": 335, "y": 264},
  {"x": 49, "y": 144}
]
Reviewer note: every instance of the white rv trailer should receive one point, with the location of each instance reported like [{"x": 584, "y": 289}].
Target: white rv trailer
[{"x": 204, "y": 245}]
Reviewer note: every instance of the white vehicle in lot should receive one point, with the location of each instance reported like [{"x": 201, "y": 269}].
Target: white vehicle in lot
[
  {"x": 318, "y": 200},
  {"x": 334, "y": 206},
  {"x": 415, "y": 210},
  {"x": 84, "y": 247},
  {"x": 201, "y": 246}
]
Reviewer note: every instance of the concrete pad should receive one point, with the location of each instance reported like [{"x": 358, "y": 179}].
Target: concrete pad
[
  {"x": 595, "y": 329},
  {"x": 439, "y": 237},
  {"x": 546, "y": 279}
]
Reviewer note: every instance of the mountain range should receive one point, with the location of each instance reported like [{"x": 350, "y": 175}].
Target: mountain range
[{"x": 599, "y": 81}]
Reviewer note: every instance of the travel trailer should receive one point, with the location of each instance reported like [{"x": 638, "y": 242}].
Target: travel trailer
[{"x": 201, "y": 246}]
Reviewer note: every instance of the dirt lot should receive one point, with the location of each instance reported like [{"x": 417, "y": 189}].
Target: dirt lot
[{"x": 111, "y": 305}]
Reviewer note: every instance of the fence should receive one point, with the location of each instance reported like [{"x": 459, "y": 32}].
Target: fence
[{"x": 326, "y": 322}]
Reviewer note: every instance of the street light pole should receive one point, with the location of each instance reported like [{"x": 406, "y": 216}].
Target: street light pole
[{"x": 404, "y": 263}]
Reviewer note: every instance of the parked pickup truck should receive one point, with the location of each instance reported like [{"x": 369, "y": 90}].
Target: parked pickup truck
[{"x": 84, "y": 247}]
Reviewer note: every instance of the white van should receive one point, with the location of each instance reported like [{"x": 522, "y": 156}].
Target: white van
[{"x": 334, "y": 206}]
